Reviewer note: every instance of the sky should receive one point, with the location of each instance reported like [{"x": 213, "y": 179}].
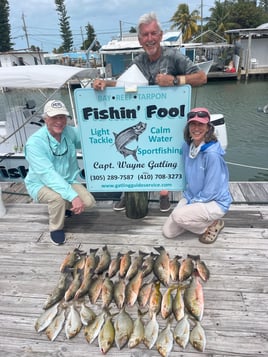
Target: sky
[{"x": 39, "y": 19}]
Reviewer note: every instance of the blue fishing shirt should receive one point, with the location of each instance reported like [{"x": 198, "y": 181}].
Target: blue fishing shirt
[
  {"x": 51, "y": 163},
  {"x": 207, "y": 176}
]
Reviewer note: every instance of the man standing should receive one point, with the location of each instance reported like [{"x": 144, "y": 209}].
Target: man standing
[
  {"x": 161, "y": 66},
  {"x": 53, "y": 169}
]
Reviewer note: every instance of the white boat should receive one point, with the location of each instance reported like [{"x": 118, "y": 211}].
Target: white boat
[{"x": 21, "y": 121}]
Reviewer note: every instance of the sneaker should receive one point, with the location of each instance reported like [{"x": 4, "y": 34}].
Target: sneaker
[
  {"x": 68, "y": 213},
  {"x": 164, "y": 203},
  {"x": 57, "y": 237},
  {"x": 120, "y": 205}
]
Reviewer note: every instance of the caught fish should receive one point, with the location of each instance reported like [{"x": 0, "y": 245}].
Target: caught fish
[
  {"x": 56, "y": 326},
  {"x": 91, "y": 262},
  {"x": 202, "y": 269},
  {"x": 125, "y": 262},
  {"x": 92, "y": 330},
  {"x": 106, "y": 335},
  {"x": 119, "y": 293},
  {"x": 70, "y": 259},
  {"x": 178, "y": 304},
  {"x": 148, "y": 264},
  {"x": 186, "y": 269},
  {"x": 87, "y": 315},
  {"x": 73, "y": 323},
  {"x": 105, "y": 260},
  {"x": 198, "y": 337},
  {"x": 114, "y": 265},
  {"x": 174, "y": 267},
  {"x": 133, "y": 288},
  {"x": 107, "y": 292},
  {"x": 126, "y": 136},
  {"x": 80, "y": 263},
  {"x": 58, "y": 292},
  {"x": 45, "y": 319},
  {"x": 84, "y": 287},
  {"x": 194, "y": 298},
  {"x": 135, "y": 265},
  {"x": 164, "y": 342},
  {"x": 161, "y": 266},
  {"x": 151, "y": 332},
  {"x": 181, "y": 332},
  {"x": 123, "y": 326},
  {"x": 167, "y": 301},
  {"x": 95, "y": 288},
  {"x": 74, "y": 286},
  {"x": 155, "y": 299},
  {"x": 144, "y": 294},
  {"x": 137, "y": 335}
]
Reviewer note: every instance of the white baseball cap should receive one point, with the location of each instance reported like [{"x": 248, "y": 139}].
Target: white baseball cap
[{"x": 55, "y": 107}]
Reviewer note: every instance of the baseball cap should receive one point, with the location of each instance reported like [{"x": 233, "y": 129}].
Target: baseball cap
[
  {"x": 55, "y": 107},
  {"x": 200, "y": 115}
]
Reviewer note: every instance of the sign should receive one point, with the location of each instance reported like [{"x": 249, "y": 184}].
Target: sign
[{"x": 132, "y": 141}]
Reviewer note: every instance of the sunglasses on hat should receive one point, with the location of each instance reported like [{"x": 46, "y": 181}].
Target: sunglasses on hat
[{"x": 200, "y": 114}]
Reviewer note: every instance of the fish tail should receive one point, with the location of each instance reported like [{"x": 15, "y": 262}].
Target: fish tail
[{"x": 134, "y": 154}]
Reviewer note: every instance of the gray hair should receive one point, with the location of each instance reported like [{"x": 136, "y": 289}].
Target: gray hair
[{"x": 147, "y": 19}]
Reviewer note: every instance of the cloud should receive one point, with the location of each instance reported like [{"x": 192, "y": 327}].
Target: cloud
[{"x": 42, "y": 23}]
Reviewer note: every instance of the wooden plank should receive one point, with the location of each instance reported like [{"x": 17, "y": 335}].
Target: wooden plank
[
  {"x": 235, "y": 296},
  {"x": 236, "y": 192},
  {"x": 254, "y": 192}
]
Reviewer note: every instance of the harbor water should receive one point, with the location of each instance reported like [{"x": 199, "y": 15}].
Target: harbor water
[
  {"x": 240, "y": 102},
  {"x": 247, "y": 125}
]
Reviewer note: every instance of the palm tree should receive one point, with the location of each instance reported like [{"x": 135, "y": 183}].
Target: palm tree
[
  {"x": 220, "y": 16},
  {"x": 185, "y": 21}
]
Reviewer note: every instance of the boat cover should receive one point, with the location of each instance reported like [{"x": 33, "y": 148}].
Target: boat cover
[{"x": 41, "y": 76}]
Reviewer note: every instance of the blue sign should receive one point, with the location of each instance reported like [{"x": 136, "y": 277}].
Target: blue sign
[{"x": 132, "y": 141}]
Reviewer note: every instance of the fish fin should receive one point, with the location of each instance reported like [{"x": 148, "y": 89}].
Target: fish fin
[{"x": 134, "y": 154}]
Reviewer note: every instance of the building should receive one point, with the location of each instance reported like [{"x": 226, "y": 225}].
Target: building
[
  {"x": 21, "y": 58},
  {"x": 252, "y": 47}
]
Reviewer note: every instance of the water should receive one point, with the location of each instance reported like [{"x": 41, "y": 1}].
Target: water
[{"x": 247, "y": 126}]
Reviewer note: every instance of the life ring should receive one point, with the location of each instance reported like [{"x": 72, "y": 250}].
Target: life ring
[{"x": 265, "y": 109}]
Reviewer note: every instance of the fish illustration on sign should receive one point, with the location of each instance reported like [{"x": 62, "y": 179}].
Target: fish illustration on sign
[{"x": 126, "y": 136}]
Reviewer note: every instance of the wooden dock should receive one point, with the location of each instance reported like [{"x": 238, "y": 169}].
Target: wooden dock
[{"x": 236, "y": 295}]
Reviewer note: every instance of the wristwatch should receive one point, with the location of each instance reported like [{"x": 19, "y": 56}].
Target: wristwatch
[{"x": 175, "y": 81}]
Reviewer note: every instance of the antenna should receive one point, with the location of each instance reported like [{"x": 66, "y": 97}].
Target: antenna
[{"x": 25, "y": 30}]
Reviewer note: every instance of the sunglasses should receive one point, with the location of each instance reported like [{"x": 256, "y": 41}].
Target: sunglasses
[
  {"x": 201, "y": 114},
  {"x": 53, "y": 152}
]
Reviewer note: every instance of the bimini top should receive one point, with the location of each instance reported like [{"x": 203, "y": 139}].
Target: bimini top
[{"x": 42, "y": 76}]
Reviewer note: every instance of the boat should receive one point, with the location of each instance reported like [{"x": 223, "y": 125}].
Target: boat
[
  {"x": 119, "y": 52},
  {"x": 22, "y": 121}
]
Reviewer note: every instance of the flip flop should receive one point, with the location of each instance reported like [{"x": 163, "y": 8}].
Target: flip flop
[{"x": 212, "y": 232}]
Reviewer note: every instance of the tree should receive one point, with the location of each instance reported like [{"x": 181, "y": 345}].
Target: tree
[
  {"x": 263, "y": 4},
  {"x": 219, "y": 20},
  {"x": 91, "y": 38},
  {"x": 133, "y": 30},
  {"x": 65, "y": 29},
  {"x": 5, "y": 31},
  {"x": 246, "y": 14},
  {"x": 185, "y": 21}
]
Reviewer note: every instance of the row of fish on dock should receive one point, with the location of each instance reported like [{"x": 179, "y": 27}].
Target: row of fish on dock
[{"x": 109, "y": 297}]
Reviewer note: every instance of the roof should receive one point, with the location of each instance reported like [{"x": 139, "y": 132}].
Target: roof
[
  {"x": 41, "y": 76},
  {"x": 260, "y": 30}
]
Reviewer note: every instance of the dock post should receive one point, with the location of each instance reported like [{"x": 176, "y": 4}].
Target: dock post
[
  {"x": 136, "y": 204},
  {"x": 2, "y": 206}
]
